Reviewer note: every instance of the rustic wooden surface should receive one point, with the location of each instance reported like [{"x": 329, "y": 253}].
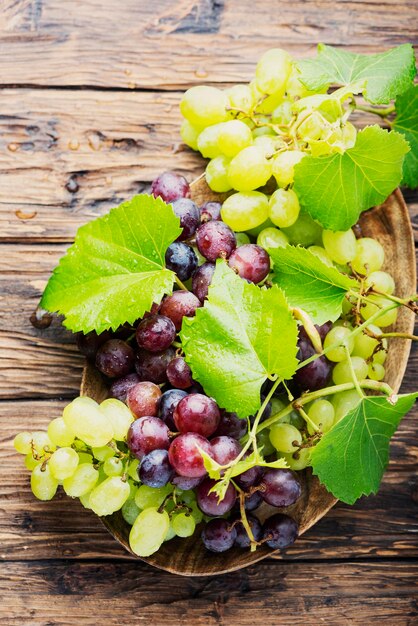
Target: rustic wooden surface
[{"x": 88, "y": 116}]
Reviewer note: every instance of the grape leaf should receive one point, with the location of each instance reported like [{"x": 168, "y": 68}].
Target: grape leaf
[
  {"x": 350, "y": 459},
  {"x": 242, "y": 335},
  {"x": 335, "y": 189},
  {"x": 115, "y": 269},
  {"x": 310, "y": 284},
  {"x": 380, "y": 77},
  {"x": 406, "y": 122}
]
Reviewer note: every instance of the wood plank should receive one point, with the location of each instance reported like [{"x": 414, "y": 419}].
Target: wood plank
[
  {"x": 271, "y": 593},
  {"x": 88, "y": 44}
]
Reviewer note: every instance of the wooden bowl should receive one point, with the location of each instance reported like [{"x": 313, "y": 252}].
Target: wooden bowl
[{"x": 389, "y": 224}]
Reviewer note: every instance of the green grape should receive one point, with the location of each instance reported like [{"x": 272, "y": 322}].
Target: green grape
[
  {"x": 254, "y": 232},
  {"x": 249, "y": 169},
  {"x": 85, "y": 500},
  {"x": 277, "y": 405},
  {"x": 242, "y": 238},
  {"x": 30, "y": 462},
  {"x": 272, "y": 71},
  {"x": 284, "y": 166},
  {"x": 267, "y": 104},
  {"x": 152, "y": 496},
  {"x": 233, "y": 137},
  {"x": 283, "y": 436},
  {"x": 376, "y": 371},
  {"x": 267, "y": 143},
  {"x": 207, "y": 142},
  {"x": 305, "y": 231},
  {"x": 130, "y": 511},
  {"x": 338, "y": 335},
  {"x": 84, "y": 417},
  {"x": 183, "y": 524},
  {"x": 283, "y": 114},
  {"x": 23, "y": 442},
  {"x": 119, "y": 416},
  {"x": 113, "y": 466},
  {"x": 295, "y": 89},
  {"x": 272, "y": 238},
  {"x": 340, "y": 246},
  {"x": 284, "y": 208},
  {"x": 189, "y": 134},
  {"x": 149, "y": 531},
  {"x": 204, "y": 106},
  {"x": 298, "y": 460},
  {"x": 322, "y": 254},
  {"x": 82, "y": 481},
  {"x": 373, "y": 305},
  {"x": 195, "y": 512},
  {"x": 240, "y": 97},
  {"x": 364, "y": 345},
  {"x": 380, "y": 356},
  {"x": 170, "y": 533},
  {"x": 322, "y": 414},
  {"x": 43, "y": 484},
  {"x": 59, "y": 433},
  {"x": 41, "y": 443},
  {"x": 382, "y": 281},
  {"x": 243, "y": 211},
  {"x": 348, "y": 304},
  {"x": 342, "y": 373},
  {"x": 344, "y": 402},
  {"x": 133, "y": 469},
  {"x": 109, "y": 496},
  {"x": 262, "y": 131},
  {"x": 370, "y": 256},
  {"x": 188, "y": 496},
  {"x": 311, "y": 128},
  {"x": 103, "y": 453},
  {"x": 263, "y": 441},
  {"x": 217, "y": 174},
  {"x": 63, "y": 463}
]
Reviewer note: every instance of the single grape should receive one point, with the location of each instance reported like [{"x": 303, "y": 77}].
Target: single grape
[
  {"x": 369, "y": 257},
  {"x": 272, "y": 71},
  {"x": 217, "y": 174},
  {"x": 240, "y": 97},
  {"x": 43, "y": 484},
  {"x": 218, "y": 535},
  {"x": 181, "y": 259},
  {"x": 203, "y": 105},
  {"x": 207, "y": 142},
  {"x": 314, "y": 375},
  {"x": 322, "y": 255},
  {"x": 284, "y": 167},
  {"x": 120, "y": 387},
  {"x": 152, "y": 366},
  {"x": 170, "y": 186},
  {"x": 283, "y": 114},
  {"x": 189, "y": 134},
  {"x": 272, "y": 238},
  {"x": 251, "y": 262},
  {"x": 284, "y": 208},
  {"x": 285, "y": 437},
  {"x": 189, "y": 215},
  {"x": 23, "y": 441},
  {"x": 155, "y": 333},
  {"x": 305, "y": 231},
  {"x": 149, "y": 531},
  {"x": 249, "y": 169},
  {"x": 231, "y": 425},
  {"x": 299, "y": 459},
  {"x": 242, "y": 238},
  {"x": 312, "y": 128},
  {"x": 180, "y": 304},
  {"x": 253, "y": 501},
  {"x": 242, "y": 539},
  {"x": 89, "y": 344},
  {"x": 246, "y": 210},
  {"x": 63, "y": 463},
  {"x": 342, "y": 371},
  {"x": 130, "y": 511},
  {"x": 197, "y": 413},
  {"x": 146, "y": 496},
  {"x": 113, "y": 466},
  {"x": 119, "y": 416},
  {"x": 155, "y": 469},
  {"x": 280, "y": 487},
  {"x": 183, "y": 524},
  {"x": 59, "y": 433},
  {"x": 250, "y": 477},
  {"x": 202, "y": 279},
  {"x": 184, "y": 483},
  {"x": 179, "y": 373},
  {"x": 115, "y": 358},
  {"x": 167, "y": 404},
  {"x": 322, "y": 414},
  {"x": 342, "y": 336},
  {"x": 376, "y": 371},
  {"x": 344, "y": 402},
  {"x": 224, "y": 449},
  {"x": 210, "y": 211},
  {"x": 381, "y": 281},
  {"x": 103, "y": 452},
  {"x": 143, "y": 399},
  {"x": 373, "y": 305},
  {"x": 185, "y": 457},
  {"x": 109, "y": 496},
  {"x": 133, "y": 469},
  {"x": 146, "y": 434},
  {"x": 268, "y": 144},
  {"x": 340, "y": 246},
  {"x": 263, "y": 441},
  {"x": 82, "y": 481},
  {"x": 233, "y": 137},
  {"x": 215, "y": 240},
  {"x": 85, "y": 419},
  {"x": 280, "y": 531}
]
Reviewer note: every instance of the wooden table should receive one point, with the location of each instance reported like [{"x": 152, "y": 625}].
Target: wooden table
[{"x": 88, "y": 116}]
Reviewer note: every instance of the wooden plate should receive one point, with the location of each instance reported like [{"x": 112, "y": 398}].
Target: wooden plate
[{"x": 389, "y": 224}]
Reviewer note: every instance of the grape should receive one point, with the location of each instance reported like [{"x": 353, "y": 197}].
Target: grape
[
  {"x": 183, "y": 525},
  {"x": 285, "y": 437},
  {"x": 82, "y": 481},
  {"x": 322, "y": 413},
  {"x": 244, "y": 211},
  {"x": 152, "y": 366},
  {"x": 305, "y": 231},
  {"x": 63, "y": 463},
  {"x": 143, "y": 399},
  {"x": 109, "y": 496},
  {"x": 115, "y": 358},
  {"x": 181, "y": 259},
  {"x": 231, "y": 425},
  {"x": 249, "y": 169},
  {"x": 149, "y": 531},
  {"x": 224, "y": 449},
  {"x": 119, "y": 416},
  {"x": 251, "y": 262},
  {"x": 314, "y": 375},
  {"x": 312, "y": 128},
  {"x": 89, "y": 344},
  {"x": 267, "y": 144},
  {"x": 189, "y": 134},
  {"x": 85, "y": 419},
  {"x": 209, "y": 211},
  {"x": 23, "y": 441},
  {"x": 253, "y": 501},
  {"x": 189, "y": 215},
  {"x": 218, "y": 535},
  {"x": 59, "y": 433},
  {"x": 203, "y": 105},
  {"x": 263, "y": 441},
  {"x": 120, "y": 387},
  {"x": 179, "y": 373},
  {"x": 133, "y": 469},
  {"x": 280, "y": 487},
  {"x": 284, "y": 208},
  {"x": 338, "y": 335},
  {"x": 272, "y": 71},
  {"x": 322, "y": 255},
  {"x": 30, "y": 462},
  {"x": 250, "y": 477},
  {"x": 170, "y": 186},
  {"x": 369, "y": 257},
  {"x": 185, "y": 456},
  {"x": 280, "y": 531},
  {"x": 184, "y": 483},
  {"x": 341, "y": 246},
  {"x": 272, "y": 238},
  {"x": 130, "y": 511},
  {"x": 146, "y": 434},
  {"x": 217, "y": 174},
  {"x": 382, "y": 281},
  {"x": 151, "y": 496},
  {"x": 342, "y": 372},
  {"x": 207, "y": 142},
  {"x": 283, "y": 114},
  {"x": 376, "y": 371},
  {"x": 298, "y": 460},
  {"x": 43, "y": 484},
  {"x": 233, "y": 137},
  {"x": 267, "y": 105},
  {"x": 215, "y": 240},
  {"x": 155, "y": 469},
  {"x": 197, "y": 413},
  {"x": 113, "y": 466},
  {"x": 180, "y": 304},
  {"x": 168, "y": 402},
  {"x": 344, "y": 402},
  {"x": 373, "y": 305},
  {"x": 102, "y": 453},
  {"x": 240, "y": 97},
  {"x": 155, "y": 333},
  {"x": 242, "y": 238},
  {"x": 201, "y": 280},
  {"x": 242, "y": 539},
  {"x": 284, "y": 167}
]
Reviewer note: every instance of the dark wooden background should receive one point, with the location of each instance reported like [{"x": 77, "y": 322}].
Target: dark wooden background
[{"x": 89, "y": 94}]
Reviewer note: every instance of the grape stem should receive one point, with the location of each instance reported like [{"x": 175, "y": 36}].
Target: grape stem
[
  {"x": 180, "y": 284},
  {"x": 306, "y": 418},
  {"x": 352, "y": 372},
  {"x": 309, "y": 327},
  {"x": 398, "y": 335},
  {"x": 381, "y": 112},
  {"x": 244, "y": 520}
]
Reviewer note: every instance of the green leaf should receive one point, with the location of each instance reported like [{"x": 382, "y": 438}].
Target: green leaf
[
  {"x": 241, "y": 336},
  {"x": 406, "y": 122},
  {"x": 380, "y": 77},
  {"x": 115, "y": 270},
  {"x": 350, "y": 459},
  {"x": 335, "y": 189},
  {"x": 309, "y": 284}
]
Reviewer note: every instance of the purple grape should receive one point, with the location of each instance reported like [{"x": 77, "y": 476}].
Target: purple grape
[
  {"x": 231, "y": 425},
  {"x": 253, "y": 501},
  {"x": 210, "y": 211},
  {"x": 242, "y": 539},
  {"x": 185, "y": 456},
  {"x": 251, "y": 262},
  {"x": 152, "y": 366},
  {"x": 90, "y": 343},
  {"x": 180, "y": 304},
  {"x": 120, "y": 387},
  {"x": 280, "y": 487},
  {"x": 155, "y": 469},
  {"x": 181, "y": 259},
  {"x": 143, "y": 399},
  {"x": 179, "y": 373},
  {"x": 184, "y": 483},
  {"x": 215, "y": 240},
  {"x": 225, "y": 449},
  {"x": 209, "y": 502},
  {"x": 202, "y": 279},
  {"x": 317, "y": 374},
  {"x": 170, "y": 186},
  {"x": 218, "y": 535},
  {"x": 146, "y": 434},
  {"x": 250, "y": 477},
  {"x": 115, "y": 358},
  {"x": 280, "y": 531},
  {"x": 155, "y": 333},
  {"x": 198, "y": 414},
  {"x": 168, "y": 402},
  {"x": 189, "y": 215}
]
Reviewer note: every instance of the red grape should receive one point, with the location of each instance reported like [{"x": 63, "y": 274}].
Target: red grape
[
  {"x": 198, "y": 414},
  {"x": 170, "y": 186},
  {"x": 184, "y": 483},
  {"x": 115, "y": 358},
  {"x": 210, "y": 211},
  {"x": 218, "y": 535},
  {"x": 231, "y": 425},
  {"x": 146, "y": 434},
  {"x": 155, "y": 333},
  {"x": 215, "y": 240},
  {"x": 280, "y": 487},
  {"x": 202, "y": 279},
  {"x": 280, "y": 531},
  {"x": 251, "y": 262},
  {"x": 180, "y": 304},
  {"x": 90, "y": 343},
  {"x": 120, "y": 387},
  {"x": 225, "y": 449},
  {"x": 179, "y": 373},
  {"x": 185, "y": 457},
  {"x": 188, "y": 213},
  {"x": 143, "y": 398},
  {"x": 155, "y": 469},
  {"x": 152, "y": 366},
  {"x": 209, "y": 502}
]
